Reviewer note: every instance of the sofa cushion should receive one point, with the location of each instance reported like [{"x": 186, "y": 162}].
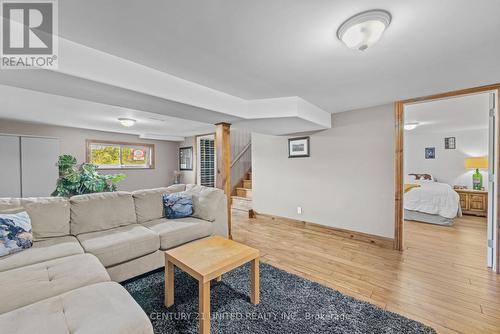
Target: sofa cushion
[
  {"x": 23, "y": 286},
  {"x": 101, "y": 211},
  {"x": 15, "y": 231},
  {"x": 175, "y": 188},
  {"x": 205, "y": 201},
  {"x": 41, "y": 251},
  {"x": 136, "y": 267},
  {"x": 49, "y": 216},
  {"x": 102, "y": 308},
  {"x": 120, "y": 244},
  {"x": 7, "y": 203},
  {"x": 149, "y": 203},
  {"x": 175, "y": 232}
]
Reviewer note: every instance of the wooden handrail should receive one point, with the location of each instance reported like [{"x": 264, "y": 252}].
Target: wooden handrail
[{"x": 238, "y": 157}]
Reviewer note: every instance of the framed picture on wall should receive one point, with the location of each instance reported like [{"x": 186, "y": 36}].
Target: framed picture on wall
[
  {"x": 186, "y": 158},
  {"x": 449, "y": 143},
  {"x": 430, "y": 152},
  {"x": 298, "y": 147}
]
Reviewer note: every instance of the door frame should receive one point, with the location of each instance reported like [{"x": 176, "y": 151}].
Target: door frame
[{"x": 399, "y": 160}]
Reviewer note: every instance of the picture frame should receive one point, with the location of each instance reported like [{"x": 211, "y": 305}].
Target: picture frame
[
  {"x": 430, "y": 152},
  {"x": 299, "y": 147},
  {"x": 450, "y": 143},
  {"x": 186, "y": 158}
]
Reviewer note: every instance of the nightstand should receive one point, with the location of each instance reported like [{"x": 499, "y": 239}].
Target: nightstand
[{"x": 473, "y": 202}]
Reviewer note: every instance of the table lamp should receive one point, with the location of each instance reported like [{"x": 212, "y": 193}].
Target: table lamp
[{"x": 477, "y": 163}]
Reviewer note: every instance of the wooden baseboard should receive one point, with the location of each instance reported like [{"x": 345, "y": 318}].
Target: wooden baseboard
[{"x": 348, "y": 234}]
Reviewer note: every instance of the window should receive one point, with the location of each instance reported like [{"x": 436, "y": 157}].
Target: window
[
  {"x": 118, "y": 155},
  {"x": 206, "y": 161}
]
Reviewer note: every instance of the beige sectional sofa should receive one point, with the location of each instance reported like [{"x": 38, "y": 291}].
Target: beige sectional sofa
[{"x": 66, "y": 283}]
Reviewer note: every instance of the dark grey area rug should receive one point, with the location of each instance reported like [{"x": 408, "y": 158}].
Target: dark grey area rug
[{"x": 288, "y": 304}]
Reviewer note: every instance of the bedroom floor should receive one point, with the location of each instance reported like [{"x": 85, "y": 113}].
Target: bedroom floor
[{"x": 440, "y": 279}]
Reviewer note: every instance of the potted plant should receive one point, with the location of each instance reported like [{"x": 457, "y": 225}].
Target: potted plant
[{"x": 85, "y": 179}]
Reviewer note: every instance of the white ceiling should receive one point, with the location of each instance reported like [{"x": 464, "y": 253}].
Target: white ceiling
[
  {"x": 470, "y": 112},
  {"x": 253, "y": 50},
  {"x": 274, "y": 48},
  {"x": 28, "y": 105}
]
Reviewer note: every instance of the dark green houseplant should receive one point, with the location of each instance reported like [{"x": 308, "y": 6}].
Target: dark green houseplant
[{"x": 74, "y": 180}]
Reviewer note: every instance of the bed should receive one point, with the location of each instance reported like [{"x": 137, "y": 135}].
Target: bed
[{"x": 428, "y": 201}]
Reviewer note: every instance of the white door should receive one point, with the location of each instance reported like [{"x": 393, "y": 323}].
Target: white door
[
  {"x": 10, "y": 170},
  {"x": 492, "y": 180},
  {"x": 39, "y": 171}
]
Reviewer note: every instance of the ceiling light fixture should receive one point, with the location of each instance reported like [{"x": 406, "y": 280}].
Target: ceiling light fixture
[
  {"x": 411, "y": 126},
  {"x": 127, "y": 122},
  {"x": 364, "y": 29}
]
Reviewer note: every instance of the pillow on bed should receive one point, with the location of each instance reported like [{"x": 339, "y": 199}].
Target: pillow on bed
[
  {"x": 421, "y": 182},
  {"x": 422, "y": 177}
]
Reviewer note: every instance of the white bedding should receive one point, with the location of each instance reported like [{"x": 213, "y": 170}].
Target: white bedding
[{"x": 433, "y": 198}]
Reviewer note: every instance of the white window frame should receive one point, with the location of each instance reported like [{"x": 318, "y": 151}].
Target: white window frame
[{"x": 149, "y": 147}]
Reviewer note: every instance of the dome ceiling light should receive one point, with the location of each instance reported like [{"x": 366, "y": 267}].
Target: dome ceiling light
[
  {"x": 364, "y": 29},
  {"x": 127, "y": 122}
]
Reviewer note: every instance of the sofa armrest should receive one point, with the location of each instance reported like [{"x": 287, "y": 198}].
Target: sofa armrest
[{"x": 221, "y": 219}]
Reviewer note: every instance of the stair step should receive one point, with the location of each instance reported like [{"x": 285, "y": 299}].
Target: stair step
[
  {"x": 239, "y": 198},
  {"x": 241, "y": 203},
  {"x": 242, "y": 192},
  {"x": 247, "y": 184}
]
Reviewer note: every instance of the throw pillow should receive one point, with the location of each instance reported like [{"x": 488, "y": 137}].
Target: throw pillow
[
  {"x": 177, "y": 205},
  {"x": 15, "y": 231}
]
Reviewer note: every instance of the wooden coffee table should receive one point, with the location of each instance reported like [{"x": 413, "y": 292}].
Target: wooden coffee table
[{"x": 207, "y": 259}]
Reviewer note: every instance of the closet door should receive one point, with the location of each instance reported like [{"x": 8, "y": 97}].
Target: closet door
[
  {"x": 10, "y": 166},
  {"x": 39, "y": 170}
]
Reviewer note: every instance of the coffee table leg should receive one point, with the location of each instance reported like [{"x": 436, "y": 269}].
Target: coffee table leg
[
  {"x": 204, "y": 301},
  {"x": 169, "y": 283},
  {"x": 255, "y": 282}
]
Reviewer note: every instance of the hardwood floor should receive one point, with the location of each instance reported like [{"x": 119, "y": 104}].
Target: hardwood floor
[{"x": 439, "y": 279}]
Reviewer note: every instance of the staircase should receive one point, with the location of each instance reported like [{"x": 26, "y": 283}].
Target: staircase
[
  {"x": 241, "y": 170},
  {"x": 242, "y": 196}
]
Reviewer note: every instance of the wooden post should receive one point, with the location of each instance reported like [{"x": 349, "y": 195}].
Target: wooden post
[{"x": 223, "y": 152}]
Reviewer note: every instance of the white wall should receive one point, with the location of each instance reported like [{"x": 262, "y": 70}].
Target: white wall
[
  {"x": 72, "y": 141},
  {"x": 448, "y": 166},
  {"x": 348, "y": 182}
]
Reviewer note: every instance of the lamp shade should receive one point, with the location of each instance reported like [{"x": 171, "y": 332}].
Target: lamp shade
[{"x": 475, "y": 163}]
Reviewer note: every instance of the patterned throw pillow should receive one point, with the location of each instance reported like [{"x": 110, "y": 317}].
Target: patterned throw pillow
[
  {"x": 178, "y": 205},
  {"x": 15, "y": 231}
]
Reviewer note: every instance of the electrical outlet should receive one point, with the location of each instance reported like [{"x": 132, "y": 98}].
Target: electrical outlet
[{"x": 299, "y": 210}]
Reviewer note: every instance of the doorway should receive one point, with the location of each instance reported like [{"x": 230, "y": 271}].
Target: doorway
[{"x": 469, "y": 204}]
